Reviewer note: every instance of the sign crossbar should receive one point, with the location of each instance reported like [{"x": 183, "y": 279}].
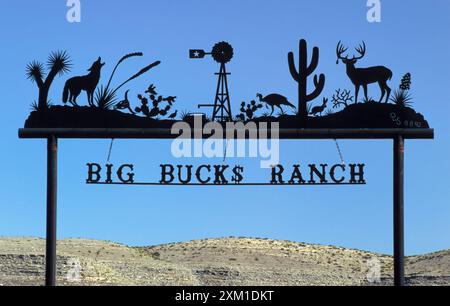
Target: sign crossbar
[{"x": 283, "y": 133}]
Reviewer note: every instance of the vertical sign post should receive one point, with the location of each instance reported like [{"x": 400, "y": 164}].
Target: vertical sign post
[
  {"x": 50, "y": 255},
  {"x": 399, "y": 236}
]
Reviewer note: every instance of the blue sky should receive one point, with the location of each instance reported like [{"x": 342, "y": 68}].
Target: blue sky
[{"x": 412, "y": 37}]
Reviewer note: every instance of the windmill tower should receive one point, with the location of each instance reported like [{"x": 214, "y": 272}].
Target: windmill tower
[{"x": 222, "y": 53}]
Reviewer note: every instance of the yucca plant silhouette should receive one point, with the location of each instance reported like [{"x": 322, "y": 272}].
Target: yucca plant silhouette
[
  {"x": 105, "y": 97},
  {"x": 401, "y": 96},
  {"x": 58, "y": 63}
]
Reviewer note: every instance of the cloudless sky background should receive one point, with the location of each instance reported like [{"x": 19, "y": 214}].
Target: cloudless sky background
[{"x": 412, "y": 37}]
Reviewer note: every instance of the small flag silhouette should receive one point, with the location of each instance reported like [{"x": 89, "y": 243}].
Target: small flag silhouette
[{"x": 197, "y": 53}]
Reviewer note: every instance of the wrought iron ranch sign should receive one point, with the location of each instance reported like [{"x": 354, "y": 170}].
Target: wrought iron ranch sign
[
  {"x": 220, "y": 175},
  {"x": 97, "y": 106},
  {"x": 107, "y": 107}
]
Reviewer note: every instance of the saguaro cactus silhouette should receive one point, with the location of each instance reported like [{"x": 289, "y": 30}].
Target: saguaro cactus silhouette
[{"x": 301, "y": 77}]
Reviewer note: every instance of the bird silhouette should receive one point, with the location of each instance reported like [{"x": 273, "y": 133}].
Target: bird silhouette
[
  {"x": 274, "y": 100},
  {"x": 170, "y": 99},
  {"x": 151, "y": 90},
  {"x": 174, "y": 115}
]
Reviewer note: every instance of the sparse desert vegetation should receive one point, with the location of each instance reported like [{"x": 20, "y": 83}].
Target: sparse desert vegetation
[{"x": 226, "y": 261}]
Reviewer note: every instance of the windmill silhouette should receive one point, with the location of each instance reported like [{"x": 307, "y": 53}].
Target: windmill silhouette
[{"x": 222, "y": 53}]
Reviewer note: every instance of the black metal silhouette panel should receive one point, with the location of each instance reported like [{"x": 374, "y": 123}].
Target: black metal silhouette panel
[{"x": 88, "y": 102}]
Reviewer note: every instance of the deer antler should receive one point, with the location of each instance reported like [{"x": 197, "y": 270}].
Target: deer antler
[
  {"x": 361, "y": 49},
  {"x": 340, "y": 49}
]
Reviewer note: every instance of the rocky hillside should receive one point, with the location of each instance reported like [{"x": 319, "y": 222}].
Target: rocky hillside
[{"x": 229, "y": 261}]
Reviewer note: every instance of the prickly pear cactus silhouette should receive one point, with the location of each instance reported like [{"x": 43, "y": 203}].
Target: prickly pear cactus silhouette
[
  {"x": 248, "y": 111},
  {"x": 301, "y": 75},
  {"x": 156, "y": 100}
]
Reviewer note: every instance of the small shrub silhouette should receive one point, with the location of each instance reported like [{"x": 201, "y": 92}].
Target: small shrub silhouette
[
  {"x": 35, "y": 107},
  {"x": 341, "y": 98},
  {"x": 329, "y": 112},
  {"x": 369, "y": 100},
  {"x": 184, "y": 115},
  {"x": 105, "y": 97},
  {"x": 402, "y": 98}
]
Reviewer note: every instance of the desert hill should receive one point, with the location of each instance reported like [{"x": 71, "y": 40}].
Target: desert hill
[{"x": 226, "y": 261}]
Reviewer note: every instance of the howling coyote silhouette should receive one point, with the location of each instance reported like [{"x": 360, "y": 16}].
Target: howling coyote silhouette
[{"x": 88, "y": 83}]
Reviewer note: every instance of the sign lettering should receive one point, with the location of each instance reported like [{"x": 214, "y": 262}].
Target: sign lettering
[{"x": 219, "y": 175}]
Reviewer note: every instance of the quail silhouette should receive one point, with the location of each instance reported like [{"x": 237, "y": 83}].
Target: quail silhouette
[{"x": 174, "y": 115}]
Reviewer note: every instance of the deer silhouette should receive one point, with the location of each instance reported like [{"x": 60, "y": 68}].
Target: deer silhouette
[
  {"x": 364, "y": 76},
  {"x": 319, "y": 109}
]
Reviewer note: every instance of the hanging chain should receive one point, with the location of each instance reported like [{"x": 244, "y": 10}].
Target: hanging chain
[
  {"x": 340, "y": 152},
  {"x": 225, "y": 151},
  {"x": 110, "y": 150}
]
